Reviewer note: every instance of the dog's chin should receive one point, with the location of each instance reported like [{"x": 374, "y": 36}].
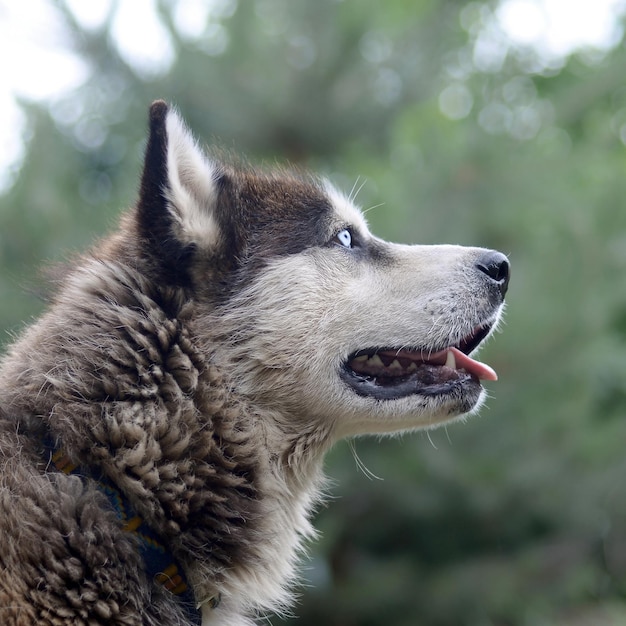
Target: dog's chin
[
  {"x": 411, "y": 404},
  {"x": 426, "y": 381}
]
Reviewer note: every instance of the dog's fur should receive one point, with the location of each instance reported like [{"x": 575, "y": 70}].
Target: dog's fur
[{"x": 197, "y": 358}]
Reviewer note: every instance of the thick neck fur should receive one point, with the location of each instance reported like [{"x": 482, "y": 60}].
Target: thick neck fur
[{"x": 115, "y": 375}]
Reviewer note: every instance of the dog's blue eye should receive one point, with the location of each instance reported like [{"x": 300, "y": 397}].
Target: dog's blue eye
[{"x": 344, "y": 237}]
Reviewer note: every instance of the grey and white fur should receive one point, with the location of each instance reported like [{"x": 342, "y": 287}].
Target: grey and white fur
[{"x": 204, "y": 358}]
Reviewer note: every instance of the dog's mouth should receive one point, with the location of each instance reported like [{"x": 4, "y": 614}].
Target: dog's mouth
[{"x": 393, "y": 373}]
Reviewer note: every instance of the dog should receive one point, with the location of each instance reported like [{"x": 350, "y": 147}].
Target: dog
[{"x": 163, "y": 424}]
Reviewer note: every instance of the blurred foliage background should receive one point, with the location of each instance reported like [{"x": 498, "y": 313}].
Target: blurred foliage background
[{"x": 457, "y": 135}]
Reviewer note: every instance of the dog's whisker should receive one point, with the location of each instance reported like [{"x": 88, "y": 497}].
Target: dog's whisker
[
  {"x": 430, "y": 439},
  {"x": 352, "y": 194},
  {"x": 356, "y": 190},
  {"x": 366, "y": 471},
  {"x": 376, "y": 206}
]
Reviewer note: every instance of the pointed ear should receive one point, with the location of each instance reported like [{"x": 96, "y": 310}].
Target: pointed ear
[{"x": 178, "y": 195}]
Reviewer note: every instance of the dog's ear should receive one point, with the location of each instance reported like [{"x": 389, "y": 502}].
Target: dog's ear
[{"x": 178, "y": 194}]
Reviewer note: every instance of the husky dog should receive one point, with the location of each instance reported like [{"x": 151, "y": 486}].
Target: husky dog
[{"x": 163, "y": 425}]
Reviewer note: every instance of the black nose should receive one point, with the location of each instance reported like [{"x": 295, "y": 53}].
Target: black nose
[{"x": 496, "y": 266}]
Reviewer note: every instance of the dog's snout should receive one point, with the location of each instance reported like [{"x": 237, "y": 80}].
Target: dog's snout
[{"x": 496, "y": 266}]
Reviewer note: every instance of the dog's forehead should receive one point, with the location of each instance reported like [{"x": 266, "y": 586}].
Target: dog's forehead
[
  {"x": 281, "y": 212},
  {"x": 282, "y": 200},
  {"x": 290, "y": 196},
  {"x": 345, "y": 211}
]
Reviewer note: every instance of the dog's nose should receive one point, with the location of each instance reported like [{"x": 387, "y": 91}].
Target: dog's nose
[{"x": 496, "y": 266}]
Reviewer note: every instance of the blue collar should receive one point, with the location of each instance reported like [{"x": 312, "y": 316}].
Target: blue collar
[{"x": 160, "y": 564}]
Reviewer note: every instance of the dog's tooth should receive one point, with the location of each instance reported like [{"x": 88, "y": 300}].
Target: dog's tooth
[
  {"x": 450, "y": 360},
  {"x": 395, "y": 365},
  {"x": 375, "y": 361},
  {"x": 360, "y": 359},
  {"x": 412, "y": 367}
]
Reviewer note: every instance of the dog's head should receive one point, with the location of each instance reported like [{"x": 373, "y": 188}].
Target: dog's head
[{"x": 309, "y": 315}]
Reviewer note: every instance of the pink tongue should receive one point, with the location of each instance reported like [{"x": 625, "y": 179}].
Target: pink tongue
[{"x": 480, "y": 370}]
